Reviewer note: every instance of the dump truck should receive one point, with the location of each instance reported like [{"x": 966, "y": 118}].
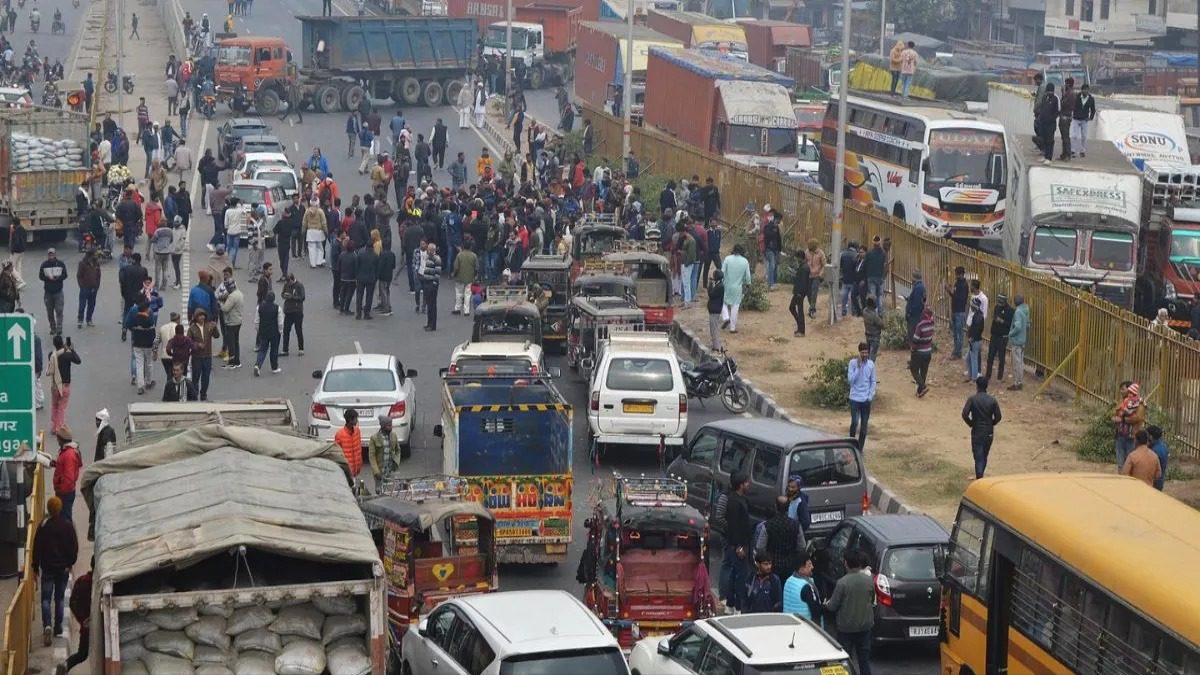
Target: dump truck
[
  {"x": 412, "y": 60},
  {"x": 511, "y": 438},
  {"x": 543, "y": 43},
  {"x": 224, "y": 537},
  {"x": 600, "y": 67},
  {"x": 43, "y": 158},
  {"x": 146, "y": 420},
  {"x": 700, "y": 31}
]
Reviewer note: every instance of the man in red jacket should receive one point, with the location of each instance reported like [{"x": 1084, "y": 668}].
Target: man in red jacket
[{"x": 66, "y": 470}]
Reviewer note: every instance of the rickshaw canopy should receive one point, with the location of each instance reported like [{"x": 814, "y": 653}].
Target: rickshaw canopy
[{"x": 424, "y": 514}]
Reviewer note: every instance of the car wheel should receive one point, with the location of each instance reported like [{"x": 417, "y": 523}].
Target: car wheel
[{"x": 405, "y": 450}]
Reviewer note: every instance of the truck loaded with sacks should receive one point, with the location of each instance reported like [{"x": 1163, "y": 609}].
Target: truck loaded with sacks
[
  {"x": 43, "y": 159},
  {"x": 229, "y": 549}
]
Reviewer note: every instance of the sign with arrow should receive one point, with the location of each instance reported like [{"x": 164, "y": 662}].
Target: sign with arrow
[{"x": 17, "y": 411}]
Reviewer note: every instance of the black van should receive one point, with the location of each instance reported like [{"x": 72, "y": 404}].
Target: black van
[{"x": 771, "y": 451}]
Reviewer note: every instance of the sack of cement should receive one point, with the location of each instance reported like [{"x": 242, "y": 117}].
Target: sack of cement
[
  {"x": 258, "y": 640},
  {"x": 255, "y": 663},
  {"x": 134, "y": 626},
  {"x": 249, "y": 618},
  {"x": 336, "y": 605},
  {"x": 209, "y": 630},
  {"x": 210, "y": 669},
  {"x": 343, "y": 626},
  {"x": 174, "y": 618},
  {"x": 162, "y": 663},
  {"x": 171, "y": 642},
  {"x": 304, "y": 620},
  {"x": 303, "y": 657},
  {"x": 132, "y": 650},
  {"x": 215, "y": 610},
  {"x": 134, "y": 667},
  {"x": 348, "y": 656},
  {"x": 212, "y": 656}
]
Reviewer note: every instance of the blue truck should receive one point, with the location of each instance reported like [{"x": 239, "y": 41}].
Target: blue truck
[{"x": 511, "y": 438}]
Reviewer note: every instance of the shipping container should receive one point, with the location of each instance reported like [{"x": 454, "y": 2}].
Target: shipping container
[
  {"x": 561, "y": 24},
  {"x": 487, "y": 12},
  {"x": 700, "y": 31},
  {"x": 806, "y": 67},
  {"x": 43, "y": 159},
  {"x": 601, "y": 57},
  {"x": 768, "y": 41}
]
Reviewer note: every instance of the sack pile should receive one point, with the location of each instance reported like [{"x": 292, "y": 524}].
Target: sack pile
[{"x": 39, "y": 153}]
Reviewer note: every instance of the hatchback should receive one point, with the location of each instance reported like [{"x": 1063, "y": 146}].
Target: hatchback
[
  {"x": 371, "y": 384},
  {"x": 904, "y": 554},
  {"x": 637, "y": 391},
  {"x": 232, "y": 132},
  {"x": 268, "y": 193},
  {"x": 285, "y": 176}
]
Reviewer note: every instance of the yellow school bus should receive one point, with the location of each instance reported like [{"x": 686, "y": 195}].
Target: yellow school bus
[{"x": 1071, "y": 573}]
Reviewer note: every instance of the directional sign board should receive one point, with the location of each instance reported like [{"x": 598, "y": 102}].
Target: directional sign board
[{"x": 17, "y": 412}]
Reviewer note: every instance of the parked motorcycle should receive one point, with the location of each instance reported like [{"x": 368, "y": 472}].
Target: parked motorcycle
[
  {"x": 715, "y": 377},
  {"x": 127, "y": 83},
  {"x": 208, "y": 106},
  {"x": 110, "y": 82}
]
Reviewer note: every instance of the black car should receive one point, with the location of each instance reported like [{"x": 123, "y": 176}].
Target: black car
[
  {"x": 231, "y": 134},
  {"x": 904, "y": 554}
]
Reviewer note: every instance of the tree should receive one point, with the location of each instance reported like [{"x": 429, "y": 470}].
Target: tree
[{"x": 927, "y": 17}]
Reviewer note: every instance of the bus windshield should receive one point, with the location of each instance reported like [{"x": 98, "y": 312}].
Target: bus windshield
[
  {"x": 761, "y": 141},
  {"x": 971, "y": 156},
  {"x": 495, "y": 38},
  {"x": 233, "y": 56}
]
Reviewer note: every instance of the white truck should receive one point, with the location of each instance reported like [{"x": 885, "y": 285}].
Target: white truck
[{"x": 1078, "y": 220}]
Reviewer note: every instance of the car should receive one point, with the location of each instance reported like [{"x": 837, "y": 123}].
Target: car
[
  {"x": 637, "y": 392},
  {"x": 769, "y": 452},
  {"x": 372, "y": 384},
  {"x": 497, "y": 358},
  {"x": 253, "y": 160},
  {"x": 284, "y": 176},
  {"x": 266, "y": 192},
  {"x": 255, "y": 143},
  {"x": 512, "y": 633},
  {"x": 904, "y": 553},
  {"x": 746, "y": 644},
  {"x": 15, "y": 97},
  {"x": 232, "y": 131}
]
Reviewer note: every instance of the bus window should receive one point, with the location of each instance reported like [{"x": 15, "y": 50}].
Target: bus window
[
  {"x": 969, "y": 558},
  {"x": 1035, "y": 590}
]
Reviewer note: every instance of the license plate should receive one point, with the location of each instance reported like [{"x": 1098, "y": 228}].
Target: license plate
[
  {"x": 638, "y": 408},
  {"x": 556, "y": 548},
  {"x": 922, "y": 631},
  {"x": 366, "y": 412},
  {"x": 827, "y": 517}
]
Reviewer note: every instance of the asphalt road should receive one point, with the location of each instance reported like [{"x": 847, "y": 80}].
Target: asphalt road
[{"x": 102, "y": 381}]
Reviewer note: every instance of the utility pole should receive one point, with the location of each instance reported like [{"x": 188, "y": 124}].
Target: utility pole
[
  {"x": 508, "y": 60},
  {"x": 882, "y": 27},
  {"x": 120, "y": 61},
  {"x": 627, "y": 88},
  {"x": 839, "y": 168}
]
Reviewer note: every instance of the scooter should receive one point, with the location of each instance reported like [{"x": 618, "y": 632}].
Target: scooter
[
  {"x": 110, "y": 82},
  {"x": 208, "y": 106},
  {"x": 34, "y": 23},
  {"x": 127, "y": 83}
]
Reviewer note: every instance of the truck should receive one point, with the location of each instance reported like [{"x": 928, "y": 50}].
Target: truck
[
  {"x": 1079, "y": 221},
  {"x": 147, "y": 420},
  {"x": 769, "y": 40},
  {"x": 734, "y": 109},
  {"x": 511, "y": 439},
  {"x": 543, "y": 43},
  {"x": 43, "y": 158},
  {"x": 487, "y": 12},
  {"x": 216, "y": 529},
  {"x": 600, "y": 68},
  {"x": 700, "y": 31},
  {"x": 410, "y": 59},
  {"x": 1169, "y": 264}
]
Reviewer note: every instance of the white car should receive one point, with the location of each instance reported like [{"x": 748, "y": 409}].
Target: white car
[
  {"x": 512, "y": 633},
  {"x": 252, "y": 160},
  {"x": 373, "y": 385},
  {"x": 278, "y": 173},
  {"x": 497, "y": 358},
  {"x": 745, "y": 643},
  {"x": 637, "y": 393}
]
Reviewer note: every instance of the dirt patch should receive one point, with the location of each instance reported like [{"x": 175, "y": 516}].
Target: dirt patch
[{"x": 919, "y": 448}]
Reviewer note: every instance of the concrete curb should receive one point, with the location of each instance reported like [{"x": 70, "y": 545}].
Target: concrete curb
[{"x": 883, "y": 499}]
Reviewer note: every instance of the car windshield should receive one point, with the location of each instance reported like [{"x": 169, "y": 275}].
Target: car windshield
[
  {"x": 492, "y": 365},
  {"x": 810, "y": 152},
  {"x": 359, "y": 379},
  {"x": 913, "y": 563},
  {"x": 262, "y": 146},
  {"x": 286, "y": 179},
  {"x": 495, "y": 38},
  {"x": 809, "y": 119},
  {"x": 825, "y": 466},
  {"x": 639, "y": 374},
  {"x": 601, "y": 661},
  {"x": 1185, "y": 245},
  {"x": 233, "y": 56},
  {"x": 1112, "y": 251},
  {"x": 1053, "y": 246}
]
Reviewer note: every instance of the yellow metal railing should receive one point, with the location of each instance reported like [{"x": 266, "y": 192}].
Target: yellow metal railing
[
  {"x": 18, "y": 618},
  {"x": 1089, "y": 343}
]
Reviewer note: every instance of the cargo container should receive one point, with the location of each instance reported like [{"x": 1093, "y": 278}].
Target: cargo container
[
  {"x": 600, "y": 66},
  {"x": 808, "y": 67},
  {"x": 733, "y": 108},
  {"x": 43, "y": 159},
  {"x": 487, "y": 12},
  {"x": 543, "y": 43},
  {"x": 700, "y": 31},
  {"x": 769, "y": 41}
]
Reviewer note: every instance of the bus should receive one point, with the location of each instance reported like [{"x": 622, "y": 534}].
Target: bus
[
  {"x": 934, "y": 168},
  {"x": 1071, "y": 573}
]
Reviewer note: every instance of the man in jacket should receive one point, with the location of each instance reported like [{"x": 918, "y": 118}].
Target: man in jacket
[
  {"x": 141, "y": 326},
  {"x": 233, "y": 309},
  {"x": 16, "y": 249},
  {"x": 982, "y": 413},
  {"x": 1048, "y": 114},
  {"x": 55, "y": 550},
  {"x": 1084, "y": 112},
  {"x": 87, "y": 275},
  {"x": 466, "y": 269},
  {"x": 800, "y": 287},
  {"x": 106, "y": 436},
  {"x": 1066, "y": 111},
  {"x": 431, "y": 275},
  {"x": 367, "y": 273},
  {"x": 853, "y": 604},
  {"x": 385, "y": 270},
  {"x": 975, "y": 321},
  {"x": 860, "y": 374},
  {"x": 1001, "y": 325},
  {"x": 876, "y": 266},
  {"x": 782, "y": 539},
  {"x": 958, "y": 309},
  {"x": 287, "y": 231},
  {"x": 384, "y": 451},
  {"x": 772, "y": 248},
  {"x": 178, "y": 388},
  {"x": 347, "y": 276},
  {"x": 438, "y": 141},
  {"x": 847, "y": 267},
  {"x": 269, "y": 323},
  {"x": 66, "y": 466},
  {"x": 202, "y": 331},
  {"x": 872, "y": 327},
  {"x": 53, "y": 273},
  {"x": 1018, "y": 334},
  {"x": 293, "y": 313},
  {"x": 130, "y": 280},
  {"x": 349, "y": 439},
  {"x": 921, "y": 343},
  {"x": 735, "y": 565}
]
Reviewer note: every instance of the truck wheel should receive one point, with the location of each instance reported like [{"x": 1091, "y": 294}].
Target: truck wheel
[
  {"x": 327, "y": 99},
  {"x": 267, "y": 102},
  {"x": 352, "y": 97},
  {"x": 431, "y": 93},
  {"x": 453, "y": 89},
  {"x": 410, "y": 91},
  {"x": 537, "y": 77}
]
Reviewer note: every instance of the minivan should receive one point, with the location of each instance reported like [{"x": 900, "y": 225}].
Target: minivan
[
  {"x": 637, "y": 392},
  {"x": 769, "y": 451}
]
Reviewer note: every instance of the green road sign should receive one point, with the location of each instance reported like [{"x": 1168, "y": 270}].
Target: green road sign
[{"x": 17, "y": 413}]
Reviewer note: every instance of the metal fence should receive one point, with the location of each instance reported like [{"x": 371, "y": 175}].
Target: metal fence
[
  {"x": 18, "y": 618},
  {"x": 1089, "y": 343}
]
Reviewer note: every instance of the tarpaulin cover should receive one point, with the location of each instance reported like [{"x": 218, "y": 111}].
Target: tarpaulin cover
[{"x": 871, "y": 73}]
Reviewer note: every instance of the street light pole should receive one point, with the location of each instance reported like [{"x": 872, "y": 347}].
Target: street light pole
[
  {"x": 839, "y": 169},
  {"x": 627, "y": 88},
  {"x": 120, "y": 59},
  {"x": 508, "y": 58},
  {"x": 882, "y": 27}
]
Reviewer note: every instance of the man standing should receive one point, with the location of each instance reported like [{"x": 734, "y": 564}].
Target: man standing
[
  {"x": 438, "y": 139},
  {"x": 1159, "y": 446},
  {"x": 908, "y": 68},
  {"x": 142, "y": 331},
  {"x": 772, "y": 249},
  {"x": 853, "y": 603},
  {"x": 735, "y": 271},
  {"x": 1001, "y": 326},
  {"x": 915, "y": 304},
  {"x": 431, "y": 275},
  {"x": 738, "y": 540},
  {"x": 178, "y": 388},
  {"x": 1018, "y": 334},
  {"x": 921, "y": 343},
  {"x": 233, "y": 308},
  {"x": 1084, "y": 112},
  {"x": 172, "y": 87},
  {"x": 800, "y": 592},
  {"x": 982, "y": 413},
  {"x": 781, "y": 538},
  {"x": 293, "y": 313},
  {"x": 1066, "y": 112},
  {"x": 895, "y": 59},
  {"x": 876, "y": 268},
  {"x": 466, "y": 269},
  {"x": 353, "y": 127},
  {"x": 1047, "y": 114},
  {"x": 55, "y": 549},
  {"x": 106, "y": 436},
  {"x": 861, "y": 375},
  {"x": 1039, "y": 95},
  {"x": 685, "y": 243},
  {"x": 385, "y": 271},
  {"x": 872, "y": 327},
  {"x": 202, "y": 331},
  {"x": 958, "y": 309},
  {"x": 287, "y": 233},
  {"x": 458, "y": 172},
  {"x": 367, "y": 272},
  {"x": 269, "y": 322},
  {"x": 1142, "y": 463},
  {"x": 800, "y": 288},
  {"x": 67, "y": 466},
  {"x": 53, "y": 273},
  {"x": 974, "y": 338},
  {"x": 815, "y": 258},
  {"x": 16, "y": 249},
  {"x": 349, "y": 439},
  {"x": 384, "y": 451},
  {"x": 347, "y": 267}
]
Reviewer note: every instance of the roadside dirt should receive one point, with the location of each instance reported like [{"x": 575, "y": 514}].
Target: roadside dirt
[{"x": 919, "y": 448}]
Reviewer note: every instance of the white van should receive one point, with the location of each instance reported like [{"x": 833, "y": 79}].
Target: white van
[{"x": 638, "y": 394}]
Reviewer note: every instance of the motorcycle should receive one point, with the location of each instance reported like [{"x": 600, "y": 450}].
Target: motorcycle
[
  {"x": 58, "y": 27},
  {"x": 34, "y": 23},
  {"x": 127, "y": 83},
  {"x": 208, "y": 106},
  {"x": 50, "y": 96},
  {"x": 110, "y": 82},
  {"x": 715, "y": 377}
]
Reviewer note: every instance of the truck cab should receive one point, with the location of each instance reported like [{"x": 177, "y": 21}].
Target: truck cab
[
  {"x": 1170, "y": 269},
  {"x": 253, "y": 62},
  {"x": 756, "y": 125},
  {"x": 543, "y": 43}
]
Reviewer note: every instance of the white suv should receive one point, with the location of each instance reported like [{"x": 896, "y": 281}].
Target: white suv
[
  {"x": 512, "y": 633},
  {"x": 637, "y": 393},
  {"x": 746, "y": 644}
]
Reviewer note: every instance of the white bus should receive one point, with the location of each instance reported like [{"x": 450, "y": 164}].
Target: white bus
[{"x": 935, "y": 168}]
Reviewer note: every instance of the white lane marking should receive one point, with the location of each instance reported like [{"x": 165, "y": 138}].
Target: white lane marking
[
  {"x": 358, "y": 347},
  {"x": 185, "y": 264}
]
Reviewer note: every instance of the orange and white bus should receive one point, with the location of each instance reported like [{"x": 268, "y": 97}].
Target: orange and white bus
[{"x": 1071, "y": 573}]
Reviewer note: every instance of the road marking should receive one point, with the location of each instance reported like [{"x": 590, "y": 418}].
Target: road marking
[
  {"x": 358, "y": 347},
  {"x": 295, "y": 144},
  {"x": 185, "y": 265}
]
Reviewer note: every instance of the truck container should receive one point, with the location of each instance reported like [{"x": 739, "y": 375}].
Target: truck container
[
  {"x": 600, "y": 66},
  {"x": 700, "y": 31},
  {"x": 487, "y": 12},
  {"x": 808, "y": 67},
  {"x": 543, "y": 43},
  {"x": 734, "y": 108},
  {"x": 769, "y": 41},
  {"x": 511, "y": 439},
  {"x": 219, "y": 532},
  {"x": 1079, "y": 221},
  {"x": 146, "y": 420},
  {"x": 43, "y": 159}
]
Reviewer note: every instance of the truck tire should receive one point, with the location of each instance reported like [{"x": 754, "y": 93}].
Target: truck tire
[
  {"x": 352, "y": 97},
  {"x": 537, "y": 77},
  {"x": 453, "y": 89},
  {"x": 431, "y": 93},
  {"x": 410, "y": 91},
  {"x": 267, "y": 102},
  {"x": 326, "y": 99}
]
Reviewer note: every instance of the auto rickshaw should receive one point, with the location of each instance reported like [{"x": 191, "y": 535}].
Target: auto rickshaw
[
  {"x": 596, "y": 236},
  {"x": 551, "y": 276},
  {"x": 651, "y": 274},
  {"x": 435, "y": 544},
  {"x": 591, "y": 284},
  {"x": 507, "y": 315},
  {"x": 645, "y": 568},
  {"x": 590, "y": 320}
]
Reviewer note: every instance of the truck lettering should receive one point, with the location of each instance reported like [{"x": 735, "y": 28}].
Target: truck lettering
[
  {"x": 597, "y": 62},
  {"x": 484, "y": 9},
  {"x": 1088, "y": 199}
]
